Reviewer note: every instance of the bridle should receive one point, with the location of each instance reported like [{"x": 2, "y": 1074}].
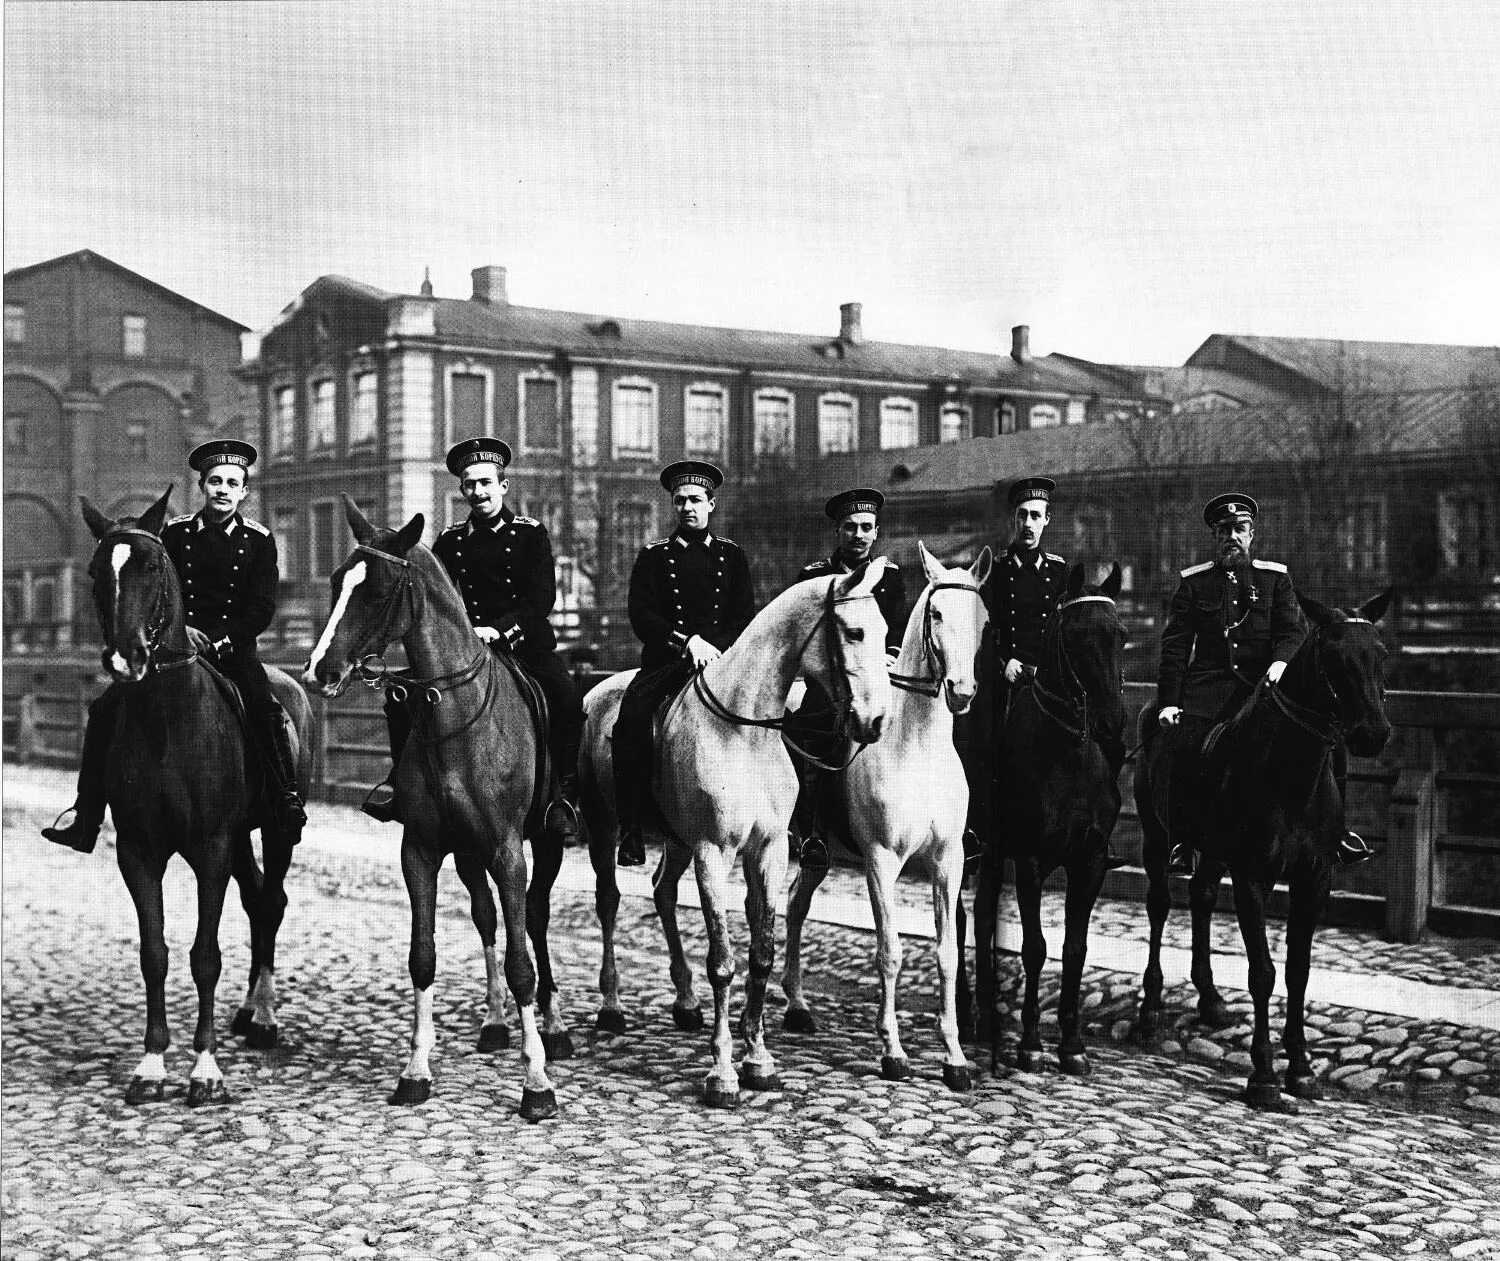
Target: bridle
[
  {"x": 161, "y": 613},
  {"x": 1326, "y": 727},
  {"x": 843, "y": 701},
  {"x": 1066, "y": 709},
  {"x": 931, "y": 683}
]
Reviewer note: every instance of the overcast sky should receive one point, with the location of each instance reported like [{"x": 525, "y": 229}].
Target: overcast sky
[{"x": 1126, "y": 178}]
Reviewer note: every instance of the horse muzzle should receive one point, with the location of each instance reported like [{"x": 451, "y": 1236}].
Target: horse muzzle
[
  {"x": 129, "y": 667},
  {"x": 866, "y": 730},
  {"x": 1367, "y": 740},
  {"x": 959, "y": 695},
  {"x": 319, "y": 680}
]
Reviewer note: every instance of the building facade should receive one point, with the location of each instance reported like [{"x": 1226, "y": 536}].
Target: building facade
[{"x": 110, "y": 379}]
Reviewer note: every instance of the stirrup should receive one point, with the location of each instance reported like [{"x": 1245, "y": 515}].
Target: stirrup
[
  {"x": 973, "y": 850},
  {"x": 290, "y": 816},
  {"x": 78, "y": 834},
  {"x": 632, "y": 851},
  {"x": 1180, "y": 860},
  {"x": 1353, "y": 848},
  {"x": 561, "y": 819},
  {"x": 813, "y": 855},
  {"x": 380, "y": 803}
]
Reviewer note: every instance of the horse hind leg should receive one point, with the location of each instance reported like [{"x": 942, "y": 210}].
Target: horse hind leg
[
  {"x": 142, "y": 874},
  {"x": 946, "y": 878},
  {"x": 765, "y": 874},
  {"x": 1309, "y": 896},
  {"x": 798, "y": 1017},
  {"x": 420, "y": 870},
  {"x": 986, "y": 918},
  {"x": 1262, "y": 1092},
  {"x": 546, "y": 862},
  {"x": 264, "y": 901},
  {"x": 538, "y": 1100},
  {"x": 493, "y": 1035},
  {"x": 206, "y": 1083},
  {"x": 687, "y": 1015},
  {"x": 880, "y": 877},
  {"x": 1084, "y": 883},
  {"x": 1029, "y": 1057},
  {"x": 1203, "y": 896},
  {"x": 721, "y": 1087},
  {"x": 1150, "y": 1017}
]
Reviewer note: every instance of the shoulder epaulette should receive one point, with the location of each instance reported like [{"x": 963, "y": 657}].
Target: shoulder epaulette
[
  {"x": 449, "y": 529},
  {"x": 722, "y": 539},
  {"x": 256, "y": 526},
  {"x": 815, "y": 566},
  {"x": 1053, "y": 556},
  {"x": 524, "y": 521},
  {"x": 182, "y": 520},
  {"x": 1275, "y": 565},
  {"x": 659, "y": 542},
  {"x": 1197, "y": 569}
]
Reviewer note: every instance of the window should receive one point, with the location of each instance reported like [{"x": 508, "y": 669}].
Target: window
[
  {"x": 703, "y": 419},
  {"x": 898, "y": 423},
  {"x": 16, "y": 439},
  {"x": 1006, "y": 418},
  {"x": 466, "y": 405},
  {"x": 633, "y": 418},
  {"x": 1077, "y": 412},
  {"x": 284, "y": 421},
  {"x": 838, "y": 423},
  {"x": 540, "y": 428},
  {"x": 1045, "y": 416},
  {"x": 1466, "y": 531},
  {"x": 284, "y": 526},
  {"x": 44, "y": 601},
  {"x": 133, "y": 335},
  {"x": 585, "y": 416},
  {"x": 953, "y": 422},
  {"x": 547, "y": 511},
  {"x": 135, "y": 439},
  {"x": 15, "y": 324},
  {"x": 775, "y": 422},
  {"x": 322, "y": 551},
  {"x": 322, "y": 434},
  {"x": 632, "y": 529},
  {"x": 364, "y": 408},
  {"x": 1364, "y": 537}
]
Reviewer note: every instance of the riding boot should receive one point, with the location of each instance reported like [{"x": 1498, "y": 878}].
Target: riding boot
[
  {"x": 380, "y": 801},
  {"x": 562, "y": 814},
  {"x": 812, "y": 850},
  {"x": 629, "y": 791},
  {"x": 281, "y": 768},
  {"x": 82, "y": 831},
  {"x": 1352, "y": 847},
  {"x": 973, "y": 851}
]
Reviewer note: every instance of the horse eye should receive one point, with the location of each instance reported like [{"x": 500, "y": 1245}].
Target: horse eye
[
  {"x": 855, "y": 634},
  {"x": 937, "y": 615}
]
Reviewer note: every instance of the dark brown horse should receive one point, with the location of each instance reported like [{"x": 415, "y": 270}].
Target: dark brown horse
[
  {"x": 178, "y": 781},
  {"x": 1059, "y": 756},
  {"x": 1266, "y": 809},
  {"x": 464, "y": 783}
]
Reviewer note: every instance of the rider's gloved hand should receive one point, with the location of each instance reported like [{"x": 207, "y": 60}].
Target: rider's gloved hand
[
  {"x": 1274, "y": 671},
  {"x": 891, "y": 655},
  {"x": 513, "y": 636},
  {"x": 1170, "y": 715},
  {"x": 700, "y": 651},
  {"x": 487, "y": 634},
  {"x": 199, "y": 641},
  {"x": 1013, "y": 669}
]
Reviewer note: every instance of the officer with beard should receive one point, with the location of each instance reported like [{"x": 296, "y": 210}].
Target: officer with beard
[{"x": 1233, "y": 621}]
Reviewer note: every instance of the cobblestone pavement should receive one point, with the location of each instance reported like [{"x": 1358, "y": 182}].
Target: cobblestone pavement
[{"x": 1152, "y": 1156}]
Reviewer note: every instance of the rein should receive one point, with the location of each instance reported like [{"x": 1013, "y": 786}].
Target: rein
[
  {"x": 1325, "y": 727},
  {"x": 1074, "y": 720},
  {"x": 930, "y": 684},
  {"x": 157, "y": 620}
]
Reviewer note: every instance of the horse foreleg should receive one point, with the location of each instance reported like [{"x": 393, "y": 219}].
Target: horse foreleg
[
  {"x": 986, "y": 917},
  {"x": 263, "y": 895},
  {"x": 1084, "y": 883},
  {"x": 765, "y": 874},
  {"x": 686, "y": 1014},
  {"x": 538, "y": 1102},
  {"x": 1154, "y": 854},
  {"x": 880, "y": 878},
  {"x": 493, "y": 1035},
  {"x": 1309, "y": 897},
  {"x": 421, "y": 873},
  {"x": 546, "y": 862},
  {"x": 1203, "y": 896},
  {"x": 798, "y": 1018},
  {"x": 611, "y": 1015},
  {"x": 206, "y": 1082},
  {"x": 947, "y": 913},
  {"x": 142, "y": 875},
  {"x": 1033, "y": 958},
  {"x": 721, "y": 1088},
  {"x": 1262, "y": 1091}
]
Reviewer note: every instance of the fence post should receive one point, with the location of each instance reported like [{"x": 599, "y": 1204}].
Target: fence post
[{"x": 1410, "y": 838}]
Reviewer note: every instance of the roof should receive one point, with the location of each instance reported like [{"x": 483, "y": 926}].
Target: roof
[
  {"x": 606, "y": 337},
  {"x": 1418, "y": 422},
  {"x": 90, "y": 256},
  {"x": 1362, "y": 366}
]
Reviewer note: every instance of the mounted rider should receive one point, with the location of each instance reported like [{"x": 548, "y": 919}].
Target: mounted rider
[
  {"x": 691, "y": 596},
  {"x": 1233, "y": 622},
  {"x": 856, "y": 518},
  {"x": 502, "y": 565},
  {"x": 226, "y": 566}
]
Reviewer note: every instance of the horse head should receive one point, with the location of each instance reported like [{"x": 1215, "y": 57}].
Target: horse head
[
  {"x": 1346, "y": 651},
  {"x": 135, "y": 590},
  {"x": 846, "y": 651},
  {"x": 374, "y": 601},
  {"x": 1083, "y": 650},
  {"x": 953, "y": 618}
]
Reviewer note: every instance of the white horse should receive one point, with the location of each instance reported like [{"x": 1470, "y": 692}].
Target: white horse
[
  {"x": 726, "y": 784},
  {"x": 907, "y": 797}
]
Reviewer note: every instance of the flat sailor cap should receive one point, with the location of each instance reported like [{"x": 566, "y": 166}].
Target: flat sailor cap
[
  {"x": 208, "y": 455},
  {"x": 1024, "y": 488},
  {"x": 477, "y": 451},
  {"x": 692, "y": 473},
  {"x": 848, "y": 502}
]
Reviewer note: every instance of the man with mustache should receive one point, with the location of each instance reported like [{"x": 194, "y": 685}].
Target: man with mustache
[{"x": 1233, "y": 621}]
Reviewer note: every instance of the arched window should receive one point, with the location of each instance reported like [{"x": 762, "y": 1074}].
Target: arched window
[
  {"x": 898, "y": 423},
  {"x": 633, "y": 422},
  {"x": 775, "y": 422},
  {"x": 953, "y": 422},
  {"x": 704, "y": 405},
  {"x": 838, "y": 423}
]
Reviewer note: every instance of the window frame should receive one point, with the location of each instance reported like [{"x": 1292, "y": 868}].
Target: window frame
[
  {"x": 1044, "y": 416},
  {"x": 132, "y": 323},
  {"x": 283, "y": 441},
  {"x": 138, "y": 429},
  {"x": 486, "y": 406},
  {"x": 315, "y": 448},
  {"x": 15, "y": 323},
  {"x": 653, "y": 391},
  {"x": 22, "y": 421},
  {"x": 965, "y": 413},
  {"x": 315, "y": 574},
  {"x": 779, "y": 394},
  {"x": 705, "y": 388},
  {"x": 892, "y": 404},
  {"x": 837, "y": 397},
  {"x": 539, "y": 375},
  {"x": 356, "y": 374}
]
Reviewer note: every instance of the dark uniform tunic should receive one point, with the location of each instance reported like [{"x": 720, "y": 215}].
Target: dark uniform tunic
[
  {"x": 1020, "y": 595},
  {"x": 504, "y": 570}
]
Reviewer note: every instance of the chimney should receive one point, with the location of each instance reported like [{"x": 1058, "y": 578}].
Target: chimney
[
  {"x": 489, "y": 286},
  {"x": 849, "y": 330},
  {"x": 1020, "y": 343}
]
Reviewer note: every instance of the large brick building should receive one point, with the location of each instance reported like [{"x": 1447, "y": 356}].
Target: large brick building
[
  {"x": 362, "y": 391},
  {"x": 110, "y": 378}
]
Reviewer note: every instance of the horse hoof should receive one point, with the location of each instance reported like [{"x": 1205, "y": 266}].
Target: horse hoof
[
  {"x": 799, "y": 1020},
  {"x": 958, "y": 1078},
  {"x": 1149, "y": 1028},
  {"x": 751, "y": 1080},
  {"x": 610, "y": 1020},
  {"x": 494, "y": 1038},
  {"x": 411, "y": 1091},
  {"x": 146, "y": 1090},
  {"x": 1304, "y": 1086},
  {"x": 1029, "y": 1061},
  {"x": 1075, "y": 1064},
  {"x": 688, "y": 1019},
  {"x": 717, "y": 1097},
  {"x": 240, "y": 1025},
  {"x": 1266, "y": 1096},
  {"x": 558, "y": 1045},
  {"x": 895, "y": 1068},
  {"x": 207, "y": 1094},
  {"x": 1215, "y": 1013},
  {"x": 261, "y": 1037},
  {"x": 538, "y": 1105}
]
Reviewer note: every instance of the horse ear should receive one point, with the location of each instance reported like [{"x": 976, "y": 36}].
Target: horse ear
[
  {"x": 1111, "y": 585},
  {"x": 155, "y": 516},
  {"x": 99, "y": 524},
  {"x": 863, "y": 580},
  {"x": 1075, "y": 580},
  {"x": 980, "y": 569},
  {"x": 931, "y": 566},
  {"x": 362, "y": 530},
  {"x": 1317, "y": 613},
  {"x": 1375, "y": 609},
  {"x": 410, "y": 534}
]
